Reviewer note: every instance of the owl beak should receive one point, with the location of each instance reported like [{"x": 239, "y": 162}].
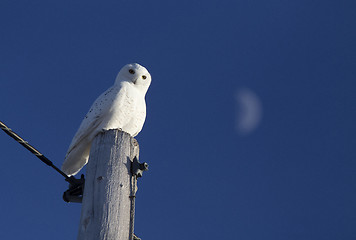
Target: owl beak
[{"x": 134, "y": 81}]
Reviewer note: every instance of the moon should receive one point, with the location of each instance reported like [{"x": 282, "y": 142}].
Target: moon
[{"x": 249, "y": 111}]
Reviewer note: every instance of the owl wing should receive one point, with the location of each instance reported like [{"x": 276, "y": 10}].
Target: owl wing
[{"x": 98, "y": 113}]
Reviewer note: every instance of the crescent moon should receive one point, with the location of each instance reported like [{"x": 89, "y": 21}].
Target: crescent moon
[{"x": 249, "y": 111}]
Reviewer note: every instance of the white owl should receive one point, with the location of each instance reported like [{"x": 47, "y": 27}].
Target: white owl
[{"x": 122, "y": 107}]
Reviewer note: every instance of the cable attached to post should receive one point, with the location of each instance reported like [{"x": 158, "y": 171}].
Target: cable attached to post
[
  {"x": 76, "y": 186},
  {"x": 137, "y": 170}
]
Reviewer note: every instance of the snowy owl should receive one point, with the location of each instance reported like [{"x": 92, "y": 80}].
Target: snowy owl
[{"x": 122, "y": 106}]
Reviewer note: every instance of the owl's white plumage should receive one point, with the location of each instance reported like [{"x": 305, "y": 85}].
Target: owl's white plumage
[{"x": 122, "y": 106}]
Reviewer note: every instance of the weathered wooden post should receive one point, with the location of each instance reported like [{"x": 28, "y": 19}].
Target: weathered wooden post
[{"x": 108, "y": 201}]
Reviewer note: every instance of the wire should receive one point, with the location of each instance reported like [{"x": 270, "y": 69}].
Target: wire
[
  {"x": 33, "y": 150},
  {"x": 133, "y": 183}
]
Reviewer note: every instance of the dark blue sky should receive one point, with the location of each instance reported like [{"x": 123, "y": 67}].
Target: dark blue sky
[{"x": 292, "y": 177}]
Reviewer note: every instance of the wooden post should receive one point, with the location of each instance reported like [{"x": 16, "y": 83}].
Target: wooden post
[{"x": 106, "y": 206}]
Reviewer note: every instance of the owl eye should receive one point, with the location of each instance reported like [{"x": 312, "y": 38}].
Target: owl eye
[
  {"x": 144, "y": 77},
  {"x": 131, "y": 71}
]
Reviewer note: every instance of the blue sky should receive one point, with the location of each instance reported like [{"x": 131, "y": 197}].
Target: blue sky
[{"x": 291, "y": 177}]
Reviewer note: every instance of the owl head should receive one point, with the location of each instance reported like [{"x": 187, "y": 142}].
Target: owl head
[{"x": 135, "y": 74}]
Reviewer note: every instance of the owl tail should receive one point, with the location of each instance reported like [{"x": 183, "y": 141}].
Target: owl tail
[{"x": 76, "y": 158}]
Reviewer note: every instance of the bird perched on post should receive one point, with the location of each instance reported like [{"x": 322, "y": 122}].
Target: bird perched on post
[{"x": 122, "y": 106}]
